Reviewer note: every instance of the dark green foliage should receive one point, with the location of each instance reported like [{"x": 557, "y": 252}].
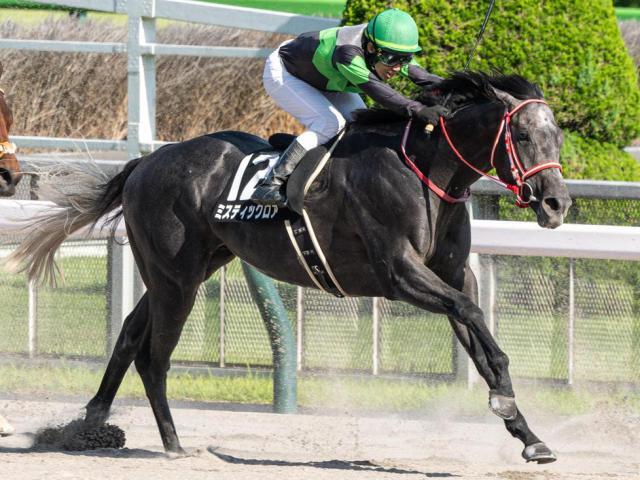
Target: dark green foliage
[
  {"x": 30, "y": 4},
  {"x": 586, "y": 158},
  {"x": 627, "y": 3},
  {"x": 572, "y": 49}
]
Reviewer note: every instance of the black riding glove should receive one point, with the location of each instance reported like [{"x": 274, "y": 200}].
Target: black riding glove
[{"x": 431, "y": 115}]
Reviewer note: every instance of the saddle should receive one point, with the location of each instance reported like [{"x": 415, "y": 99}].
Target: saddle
[{"x": 297, "y": 181}]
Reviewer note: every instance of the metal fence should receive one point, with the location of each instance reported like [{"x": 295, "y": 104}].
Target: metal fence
[
  {"x": 561, "y": 319},
  {"x": 567, "y": 319},
  {"x": 142, "y": 49}
]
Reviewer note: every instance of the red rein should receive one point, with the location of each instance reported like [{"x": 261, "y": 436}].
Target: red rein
[{"x": 520, "y": 174}]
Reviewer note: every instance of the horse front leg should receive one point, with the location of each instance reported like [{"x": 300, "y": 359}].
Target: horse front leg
[
  {"x": 414, "y": 283},
  {"x": 501, "y": 400},
  {"x": 503, "y": 407}
]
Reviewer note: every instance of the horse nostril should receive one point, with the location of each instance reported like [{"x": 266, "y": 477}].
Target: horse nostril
[{"x": 552, "y": 203}]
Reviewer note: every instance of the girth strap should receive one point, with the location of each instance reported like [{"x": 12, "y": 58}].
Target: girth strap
[{"x": 305, "y": 242}]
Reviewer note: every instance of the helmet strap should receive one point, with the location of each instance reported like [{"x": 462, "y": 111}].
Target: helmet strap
[{"x": 373, "y": 31}]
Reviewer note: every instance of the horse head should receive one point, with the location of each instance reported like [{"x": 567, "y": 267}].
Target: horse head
[
  {"x": 532, "y": 154},
  {"x": 521, "y": 138},
  {"x": 10, "y": 174}
]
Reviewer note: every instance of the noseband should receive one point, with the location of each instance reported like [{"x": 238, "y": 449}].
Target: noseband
[{"x": 520, "y": 187}]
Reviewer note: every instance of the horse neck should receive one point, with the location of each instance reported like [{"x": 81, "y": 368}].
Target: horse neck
[{"x": 472, "y": 131}]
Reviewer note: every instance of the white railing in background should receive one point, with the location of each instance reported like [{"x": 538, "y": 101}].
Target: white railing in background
[
  {"x": 491, "y": 237},
  {"x": 141, "y": 49},
  {"x": 488, "y": 237}
]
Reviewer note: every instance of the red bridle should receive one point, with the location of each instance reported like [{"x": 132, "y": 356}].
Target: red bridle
[{"x": 519, "y": 173}]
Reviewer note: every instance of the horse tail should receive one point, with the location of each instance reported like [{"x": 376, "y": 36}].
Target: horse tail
[{"x": 83, "y": 195}]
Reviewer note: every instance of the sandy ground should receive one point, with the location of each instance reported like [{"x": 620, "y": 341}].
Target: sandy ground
[{"x": 250, "y": 445}]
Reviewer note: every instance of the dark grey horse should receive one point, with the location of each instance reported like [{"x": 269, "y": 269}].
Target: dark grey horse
[{"x": 383, "y": 231}]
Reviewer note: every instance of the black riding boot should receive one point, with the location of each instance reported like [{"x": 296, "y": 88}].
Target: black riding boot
[{"x": 270, "y": 190}]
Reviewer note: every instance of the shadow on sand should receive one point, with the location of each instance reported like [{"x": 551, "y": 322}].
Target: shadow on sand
[{"x": 355, "y": 465}]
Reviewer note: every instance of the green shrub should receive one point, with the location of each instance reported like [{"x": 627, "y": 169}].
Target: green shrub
[
  {"x": 589, "y": 159},
  {"x": 572, "y": 49},
  {"x": 30, "y": 4}
]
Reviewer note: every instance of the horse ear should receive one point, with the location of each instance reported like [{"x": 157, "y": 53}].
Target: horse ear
[{"x": 509, "y": 100}]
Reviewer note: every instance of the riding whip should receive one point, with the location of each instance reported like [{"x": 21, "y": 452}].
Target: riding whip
[{"x": 429, "y": 127}]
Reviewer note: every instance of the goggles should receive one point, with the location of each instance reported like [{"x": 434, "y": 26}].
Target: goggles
[{"x": 392, "y": 59}]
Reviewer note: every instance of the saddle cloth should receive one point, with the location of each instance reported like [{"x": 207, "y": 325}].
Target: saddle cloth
[{"x": 235, "y": 203}]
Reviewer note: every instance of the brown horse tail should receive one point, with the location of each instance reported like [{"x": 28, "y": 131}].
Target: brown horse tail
[{"x": 83, "y": 195}]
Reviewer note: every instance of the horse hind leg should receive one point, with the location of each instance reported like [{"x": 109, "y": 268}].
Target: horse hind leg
[
  {"x": 134, "y": 330},
  {"x": 169, "y": 313},
  {"x": 170, "y": 302}
]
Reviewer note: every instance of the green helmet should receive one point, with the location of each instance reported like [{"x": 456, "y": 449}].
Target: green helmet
[{"x": 394, "y": 30}]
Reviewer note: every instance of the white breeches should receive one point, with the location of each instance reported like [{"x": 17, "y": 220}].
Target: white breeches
[{"x": 324, "y": 114}]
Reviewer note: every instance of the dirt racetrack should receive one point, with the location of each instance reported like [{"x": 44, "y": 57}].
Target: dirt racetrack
[{"x": 266, "y": 446}]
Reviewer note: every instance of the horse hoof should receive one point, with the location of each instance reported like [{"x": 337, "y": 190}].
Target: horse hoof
[
  {"x": 538, "y": 452},
  {"x": 503, "y": 406},
  {"x": 176, "y": 453}
]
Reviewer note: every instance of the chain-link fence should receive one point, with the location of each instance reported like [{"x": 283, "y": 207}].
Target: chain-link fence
[{"x": 569, "y": 320}]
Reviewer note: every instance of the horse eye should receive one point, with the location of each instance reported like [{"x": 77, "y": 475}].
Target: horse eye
[{"x": 523, "y": 137}]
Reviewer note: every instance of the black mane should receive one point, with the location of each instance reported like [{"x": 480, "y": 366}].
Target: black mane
[{"x": 459, "y": 89}]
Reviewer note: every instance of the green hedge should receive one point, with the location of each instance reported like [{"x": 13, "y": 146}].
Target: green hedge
[
  {"x": 29, "y": 4},
  {"x": 587, "y": 158},
  {"x": 572, "y": 49}
]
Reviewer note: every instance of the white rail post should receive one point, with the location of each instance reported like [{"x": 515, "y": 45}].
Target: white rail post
[
  {"x": 465, "y": 369},
  {"x": 375, "y": 351},
  {"x": 33, "y": 319},
  {"x": 223, "y": 271},
  {"x": 484, "y": 269},
  {"x": 141, "y": 77},
  {"x": 572, "y": 321},
  {"x": 121, "y": 283}
]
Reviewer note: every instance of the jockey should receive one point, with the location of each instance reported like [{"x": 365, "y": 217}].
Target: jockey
[{"x": 318, "y": 76}]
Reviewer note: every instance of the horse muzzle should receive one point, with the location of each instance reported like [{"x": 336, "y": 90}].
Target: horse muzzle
[
  {"x": 551, "y": 210},
  {"x": 550, "y": 198}
]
